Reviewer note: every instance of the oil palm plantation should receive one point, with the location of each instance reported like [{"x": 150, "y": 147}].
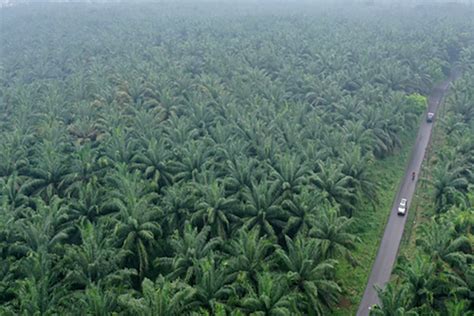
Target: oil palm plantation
[{"x": 194, "y": 165}]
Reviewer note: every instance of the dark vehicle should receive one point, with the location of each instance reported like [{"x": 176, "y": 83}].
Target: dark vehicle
[{"x": 429, "y": 117}]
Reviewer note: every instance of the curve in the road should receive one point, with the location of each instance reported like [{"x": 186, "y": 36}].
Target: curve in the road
[{"x": 388, "y": 250}]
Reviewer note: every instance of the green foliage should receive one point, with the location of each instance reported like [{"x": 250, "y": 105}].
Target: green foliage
[
  {"x": 161, "y": 298},
  {"x": 161, "y": 160},
  {"x": 417, "y": 102}
]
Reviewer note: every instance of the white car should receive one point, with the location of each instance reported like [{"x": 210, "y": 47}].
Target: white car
[
  {"x": 402, "y": 208},
  {"x": 429, "y": 117}
]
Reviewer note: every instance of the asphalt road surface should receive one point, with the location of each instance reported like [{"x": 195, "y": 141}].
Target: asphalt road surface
[{"x": 387, "y": 253}]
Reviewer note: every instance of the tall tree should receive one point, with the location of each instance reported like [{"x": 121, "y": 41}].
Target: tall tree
[{"x": 309, "y": 274}]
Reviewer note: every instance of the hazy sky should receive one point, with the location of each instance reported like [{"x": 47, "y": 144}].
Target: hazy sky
[{"x": 260, "y": 1}]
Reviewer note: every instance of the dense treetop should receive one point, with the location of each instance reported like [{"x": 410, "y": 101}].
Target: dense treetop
[{"x": 164, "y": 160}]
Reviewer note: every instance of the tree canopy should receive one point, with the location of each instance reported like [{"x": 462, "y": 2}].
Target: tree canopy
[{"x": 193, "y": 159}]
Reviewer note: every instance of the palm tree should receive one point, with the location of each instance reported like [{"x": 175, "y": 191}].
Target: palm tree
[
  {"x": 303, "y": 212},
  {"x": 39, "y": 293},
  {"x": 385, "y": 126},
  {"x": 461, "y": 103},
  {"x": 127, "y": 190},
  {"x": 7, "y": 277},
  {"x": 289, "y": 130},
  {"x": 234, "y": 152},
  {"x": 329, "y": 140},
  {"x": 153, "y": 163},
  {"x": 395, "y": 301},
  {"x": 177, "y": 203},
  {"x": 336, "y": 186},
  {"x": 120, "y": 146},
  {"x": 160, "y": 298},
  {"x": 201, "y": 116},
  {"x": 83, "y": 168},
  {"x": 395, "y": 76},
  {"x": 439, "y": 242},
  {"x": 212, "y": 285},
  {"x": 179, "y": 130},
  {"x": 170, "y": 101},
  {"x": 219, "y": 136},
  {"x": 47, "y": 174},
  {"x": 13, "y": 153},
  {"x": 94, "y": 300},
  {"x": 421, "y": 279},
  {"x": 291, "y": 174},
  {"x": 464, "y": 218},
  {"x": 450, "y": 187},
  {"x": 357, "y": 167},
  {"x": 271, "y": 297},
  {"x": 216, "y": 210},
  {"x": 147, "y": 126},
  {"x": 309, "y": 274},
  {"x": 261, "y": 146},
  {"x": 240, "y": 171},
  {"x": 189, "y": 249},
  {"x": 137, "y": 222},
  {"x": 12, "y": 197},
  {"x": 44, "y": 229},
  {"x": 137, "y": 230},
  {"x": 262, "y": 208},
  {"x": 458, "y": 308},
  {"x": 192, "y": 159},
  {"x": 356, "y": 132},
  {"x": 94, "y": 259},
  {"x": 85, "y": 128},
  {"x": 89, "y": 202},
  {"x": 334, "y": 236},
  {"x": 248, "y": 254}
]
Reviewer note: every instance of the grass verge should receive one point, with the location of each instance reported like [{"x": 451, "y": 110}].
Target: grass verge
[{"x": 389, "y": 172}]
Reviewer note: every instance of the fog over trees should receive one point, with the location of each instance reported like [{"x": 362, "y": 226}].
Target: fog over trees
[{"x": 228, "y": 158}]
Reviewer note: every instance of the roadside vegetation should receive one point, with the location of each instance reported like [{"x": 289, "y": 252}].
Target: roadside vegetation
[
  {"x": 435, "y": 274},
  {"x": 371, "y": 224},
  {"x": 163, "y": 160}
]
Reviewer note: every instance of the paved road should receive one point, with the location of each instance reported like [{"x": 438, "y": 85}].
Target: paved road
[{"x": 387, "y": 253}]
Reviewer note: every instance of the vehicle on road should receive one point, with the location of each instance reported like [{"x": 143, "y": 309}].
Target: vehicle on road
[
  {"x": 429, "y": 117},
  {"x": 413, "y": 176},
  {"x": 373, "y": 307},
  {"x": 402, "y": 208}
]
